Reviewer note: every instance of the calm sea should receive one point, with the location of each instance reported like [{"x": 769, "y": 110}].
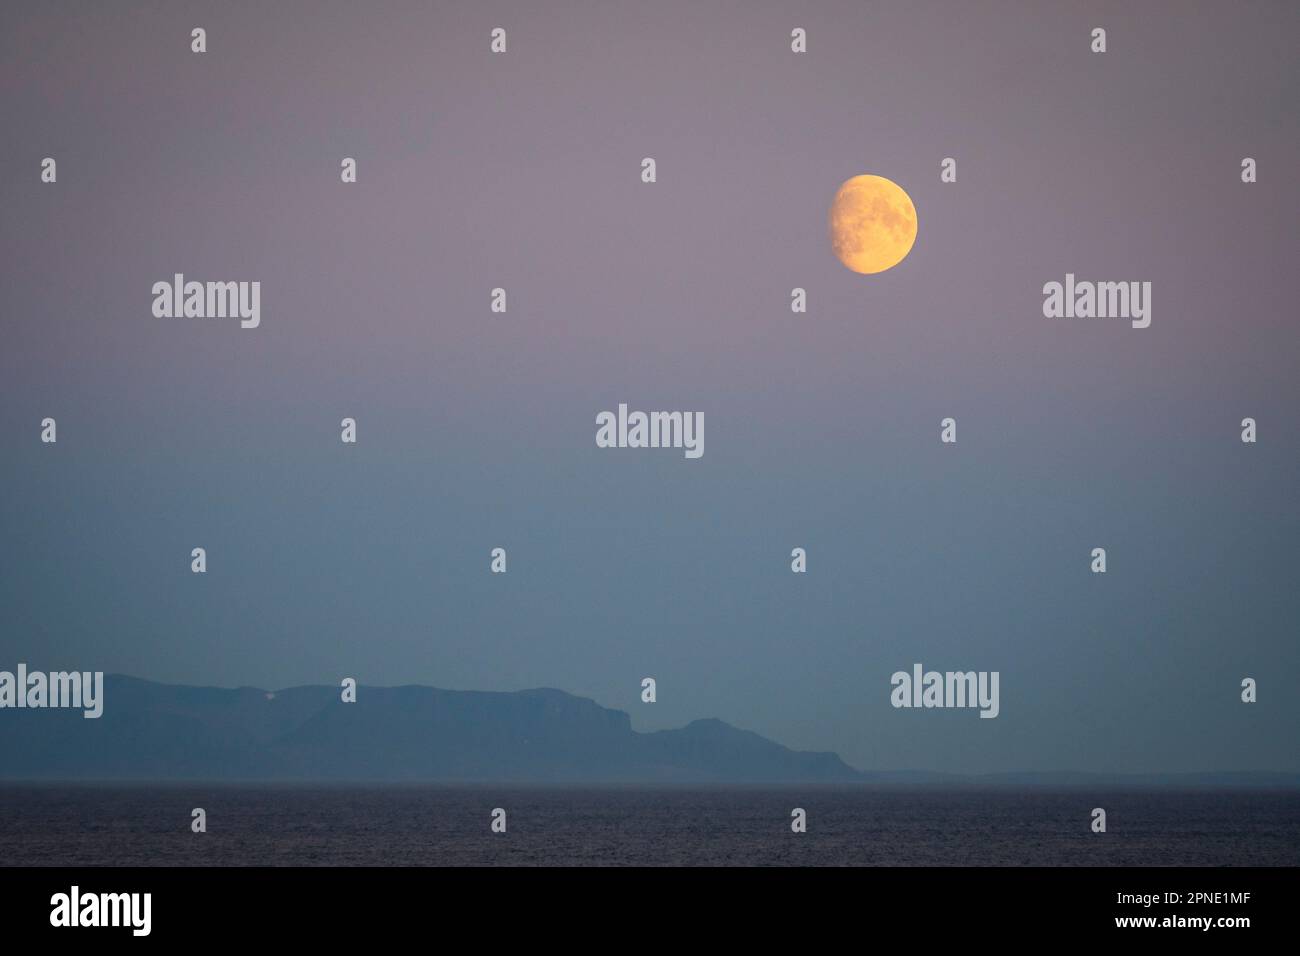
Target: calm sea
[{"x": 449, "y": 826}]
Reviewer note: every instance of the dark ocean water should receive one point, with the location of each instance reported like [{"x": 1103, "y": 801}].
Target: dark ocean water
[{"x": 444, "y": 826}]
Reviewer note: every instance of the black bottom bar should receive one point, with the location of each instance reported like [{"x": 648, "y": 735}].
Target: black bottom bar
[{"x": 614, "y": 906}]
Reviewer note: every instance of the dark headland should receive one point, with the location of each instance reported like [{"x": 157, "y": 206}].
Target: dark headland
[
  {"x": 151, "y": 731},
  {"x": 413, "y": 734}
]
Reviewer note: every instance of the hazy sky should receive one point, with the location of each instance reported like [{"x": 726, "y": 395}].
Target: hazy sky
[{"x": 822, "y": 430}]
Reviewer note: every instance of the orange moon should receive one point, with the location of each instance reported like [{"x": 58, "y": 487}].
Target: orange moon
[{"x": 873, "y": 224}]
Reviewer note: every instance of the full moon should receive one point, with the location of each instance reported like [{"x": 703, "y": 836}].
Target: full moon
[{"x": 873, "y": 224}]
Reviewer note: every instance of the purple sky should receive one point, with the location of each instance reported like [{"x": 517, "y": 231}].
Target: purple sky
[{"x": 477, "y": 430}]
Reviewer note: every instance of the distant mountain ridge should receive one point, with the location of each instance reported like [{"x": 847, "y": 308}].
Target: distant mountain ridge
[
  {"x": 416, "y": 734},
  {"x": 152, "y": 731}
]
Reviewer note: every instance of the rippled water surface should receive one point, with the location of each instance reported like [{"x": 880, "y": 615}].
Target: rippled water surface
[{"x": 123, "y": 825}]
